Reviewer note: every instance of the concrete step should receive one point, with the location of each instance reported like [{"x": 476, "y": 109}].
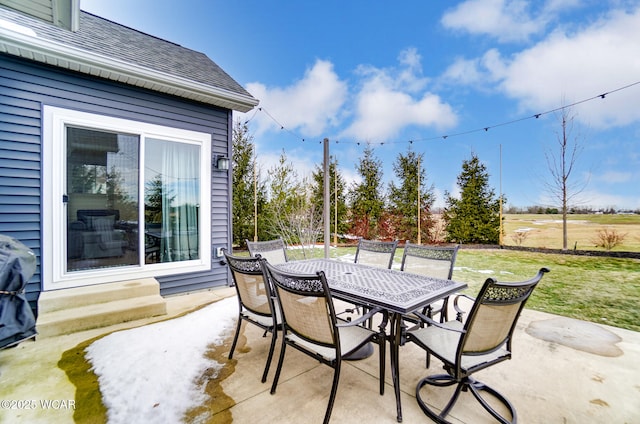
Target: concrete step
[
  {"x": 56, "y": 300},
  {"x": 70, "y": 310}
]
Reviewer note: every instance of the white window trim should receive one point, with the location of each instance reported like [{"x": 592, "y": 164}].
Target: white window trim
[{"x": 53, "y": 237}]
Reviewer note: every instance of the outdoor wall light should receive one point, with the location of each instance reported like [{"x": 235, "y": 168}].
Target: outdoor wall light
[{"x": 221, "y": 162}]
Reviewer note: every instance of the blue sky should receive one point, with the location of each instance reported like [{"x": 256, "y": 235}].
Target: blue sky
[{"x": 402, "y": 75}]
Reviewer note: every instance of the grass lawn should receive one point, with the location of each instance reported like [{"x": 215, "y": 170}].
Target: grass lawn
[{"x": 598, "y": 289}]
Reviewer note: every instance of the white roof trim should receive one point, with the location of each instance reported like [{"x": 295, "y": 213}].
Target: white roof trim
[{"x": 19, "y": 43}]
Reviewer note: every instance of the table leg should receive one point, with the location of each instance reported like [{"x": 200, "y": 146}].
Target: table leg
[{"x": 394, "y": 347}]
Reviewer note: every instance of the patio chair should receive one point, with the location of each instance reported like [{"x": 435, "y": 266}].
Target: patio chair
[
  {"x": 274, "y": 251},
  {"x": 376, "y": 253},
  {"x": 309, "y": 324},
  {"x": 432, "y": 261},
  {"x": 483, "y": 340},
  {"x": 256, "y": 301}
]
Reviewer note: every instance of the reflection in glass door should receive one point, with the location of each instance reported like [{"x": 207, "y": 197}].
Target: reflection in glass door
[{"x": 102, "y": 189}]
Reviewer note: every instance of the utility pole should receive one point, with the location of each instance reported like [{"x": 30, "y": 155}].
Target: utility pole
[
  {"x": 500, "y": 235},
  {"x": 327, "y": 201},
  {"x": 418, "y": 175},
  {"x": 255, "y": 200},
  {"x": 335, "y": 205}
]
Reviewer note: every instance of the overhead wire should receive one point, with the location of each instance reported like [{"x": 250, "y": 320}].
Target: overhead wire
[{"x": 461, "y": 133}]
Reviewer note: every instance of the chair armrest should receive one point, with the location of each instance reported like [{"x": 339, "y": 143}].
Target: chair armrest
[
  {"x": 460, "y": 312},
  {"x": 361, "y": 319},
  {"x": 430, "y": 321}
]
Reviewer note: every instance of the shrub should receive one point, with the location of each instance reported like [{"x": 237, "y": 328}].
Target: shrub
[
  {"x": 519, "y": 237},
  {"x": 608, "y": 238}
]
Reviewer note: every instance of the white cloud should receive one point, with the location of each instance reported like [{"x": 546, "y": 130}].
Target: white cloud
[
  {"x": 602, "y": 57},
  {"x": 476, "y": 72},
  {"x": 464, "y": 71},
  {"x": 615, "y": 177},
  {"x": 303, "y": 164},
  {"x": 600, "y": 199},
  {"x": 410, "y": 76},
  {"x": 570, "y": 67},
  {"x": 595, "y": 198},
  {"x": 385, "y": 102},
  {"x": 389, "y": 100},
  {"x": 308, "y": 106},
  {"x": 506, "y": 20},
  {"x": 439, "y": 200}
]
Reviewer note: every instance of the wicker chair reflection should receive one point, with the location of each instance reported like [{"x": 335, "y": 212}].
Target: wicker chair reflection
[
  {"x": 310, "y": 326},
  {"x": 482, "y": 341},
  {"x": 274, "y": 251},
  {"x": 256, "y": 301},
  {"x": 432, "y": 261}
]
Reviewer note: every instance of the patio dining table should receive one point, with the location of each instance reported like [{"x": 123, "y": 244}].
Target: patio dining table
[{"x": 396, "y": 293}]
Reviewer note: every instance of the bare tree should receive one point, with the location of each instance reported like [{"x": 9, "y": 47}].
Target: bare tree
[
  {"x": 291, "y": 212},
  {"x": 561, "y": 164}
]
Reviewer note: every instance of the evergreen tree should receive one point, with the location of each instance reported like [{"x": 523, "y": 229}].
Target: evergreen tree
[
  {"x": 247, "y": 186},
  {"x": 475, "y": 216},
  {"x": 367, "y": 198},
  {"x": 317, "y": 198},
  {"x": 403, "y": 199},
  {"x": 153, "y": 200},
  {"x": 284, "y": 188}
]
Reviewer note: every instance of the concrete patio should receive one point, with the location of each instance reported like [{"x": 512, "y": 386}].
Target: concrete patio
[{"x": 563, "y": 371}]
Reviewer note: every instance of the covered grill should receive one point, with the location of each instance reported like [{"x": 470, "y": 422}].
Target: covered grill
[{"x": 17, "y": 266}]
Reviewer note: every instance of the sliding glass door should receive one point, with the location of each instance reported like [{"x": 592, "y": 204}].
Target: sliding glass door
[{"x": 126, "y": 199}]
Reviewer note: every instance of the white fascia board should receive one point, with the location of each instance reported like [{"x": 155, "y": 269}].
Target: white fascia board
[{"x": 72, "y": 58}]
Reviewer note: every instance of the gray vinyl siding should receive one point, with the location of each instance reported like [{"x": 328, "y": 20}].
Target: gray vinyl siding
[
  {"x": 41, "y": 9},
  {"x": 26, "y": 87}
]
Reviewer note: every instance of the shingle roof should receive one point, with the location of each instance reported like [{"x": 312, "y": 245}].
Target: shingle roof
[{"x": 114, "y": 51}]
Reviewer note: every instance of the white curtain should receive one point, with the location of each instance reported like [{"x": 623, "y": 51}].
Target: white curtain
[{"x": 180, "y": 175}]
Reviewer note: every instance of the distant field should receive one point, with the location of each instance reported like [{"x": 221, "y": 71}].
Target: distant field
[{"x": 545, "y": 231}]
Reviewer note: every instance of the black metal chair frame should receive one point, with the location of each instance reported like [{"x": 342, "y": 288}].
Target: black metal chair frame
[
  {"x": 474, "y": 345},
  {"x": 267, "y": 319},
  {"x": 263, "y": 247},
  {"x": 432, "y": 253},
  {"x": 303, "y": 338}
]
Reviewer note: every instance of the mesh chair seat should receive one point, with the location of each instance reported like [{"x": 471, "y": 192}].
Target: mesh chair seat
[
  {"x": 274, "y": 251},
  {"x": 351, "y": 338},
  {"x": 483, "y": 340},
  {"x": 262, "y": 319},
  {"x": 444, "y": 344}
]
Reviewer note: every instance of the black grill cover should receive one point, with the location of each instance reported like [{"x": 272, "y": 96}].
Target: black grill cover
[{"x": 17, "y": 266}]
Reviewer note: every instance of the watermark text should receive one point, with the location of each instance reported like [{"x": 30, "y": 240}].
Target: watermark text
[{"x": 26, "y": 404}]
